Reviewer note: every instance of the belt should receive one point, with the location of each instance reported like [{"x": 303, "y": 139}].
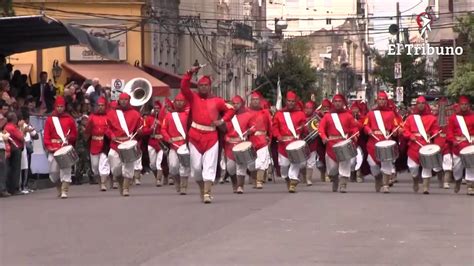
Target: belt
[
  {"x": 157, "y": 136},
  {"x": 175, "y": 139},
  {"x": 234, "y": 140},
  {"x": 335, "y": 137},
  {"x": 287, "y": 138},
  {"x": 122, "y": 138},
  {"x": 97, "y": 137},
  {"x": 260, "y": 133},
  {"x": 417, "y": 134},
  {"x": 443, "y": 135},
  {"x": 377, "y": 132},
  {"x": 203, "y": 127},
  {"x": 463, "y": 138},
  {"x": 56, "y": 141}
]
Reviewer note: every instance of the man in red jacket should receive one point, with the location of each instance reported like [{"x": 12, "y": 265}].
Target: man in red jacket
[
  {"x": 174, "y": 130},
  {"x": 152, "y": 128},
  {"x": 207, "y": 113},
  {"x": 95, "y": 130},
  {"x": 59, "y": 130},
  {"x": 309, "y": 111},
  {"x": 419, "y": 127},
  {"x": 336, "y": 126},
  {"x": 288, "y": 125},
  {"x": 378, "y": 125},
  {"x": 460, "y": 134},
  {"x": 123, "y": 122},
  {"x": 444, "y": 174},
  {"x": 14, "y": 162}
]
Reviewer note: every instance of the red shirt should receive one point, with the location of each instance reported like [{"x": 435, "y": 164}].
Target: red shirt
[
  {"x": 389, "y": 121},
  {"x": 260, "y": 120},
  {"x": 96, "y": 128},
  {"x": 232, "y": 137},
  {"x": 281, "y": 131},
  {"x": 169, "y": 130},
  {"x": 133, "y": 121},
  {"x": 454, "y": 133},
  {"x": 15, "y": 134},
  {"x": 430, "y": 123},
  {"x": 52, "y": 141},
  {"x": 152, "y": 127}
]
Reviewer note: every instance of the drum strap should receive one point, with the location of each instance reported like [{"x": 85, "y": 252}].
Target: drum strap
[
  {"x": 59, "y": 129},
  {"x": 289, "y": 124},
  {"x": 421, "y": 127},
  {"x": 338, "y": 125},
  {"x": 380, "y": 123},
  {"x": 463, "y": 126},
  {"x": 178, "y": 124},
  {"x": 123, "y": 123},
  {"x": 236, "y": 125}
]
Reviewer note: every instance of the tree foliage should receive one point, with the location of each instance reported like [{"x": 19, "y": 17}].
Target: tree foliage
[
  {"x": 295, "y": 71},
  {"x": 463, "y": 81},
  {"x": 413, "y": 70}
]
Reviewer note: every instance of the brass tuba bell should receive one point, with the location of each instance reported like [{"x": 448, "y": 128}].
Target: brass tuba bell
[{"x": 140, "y": 91}]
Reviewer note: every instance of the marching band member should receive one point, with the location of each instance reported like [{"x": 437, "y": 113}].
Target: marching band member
[
  {"x": 98, "y": 145},
  {"x": 361, "y": 141},
  {"x": 14, "y": 162},
  {"x": 378, "y": 125},
  {"x": 59, "y": 130},
  {"x": 460, "y": 134},
  {"x": 260, "y": 135},
  {"x": 152, "y": 127},
  {"x": 444, "y": 174},
  {"x": 309, "y": 111},
  {"x": 174, "y": 130},
  {"x": 203, "y": 139},
  {"x": 288, "y": 125},
  {"x": 236, "y": 129},
  {"x": 324, "y": 108},
  {"x": 419, "y": 126},
  {"x": 335, "y": 127},
  {"x": 123, "y": 122}
]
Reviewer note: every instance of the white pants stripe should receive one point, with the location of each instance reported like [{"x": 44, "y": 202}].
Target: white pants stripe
[
  {"x": 100, "y": 164},
  {"x": 414, "y": 169},
  {"x": 155, "y": 158},
  {"x": 334, "y": 168},
  {"x": 288, "y": 169},
  {"x": 175, "y": 165},
  {"x": 56, "y": 174},
  {"x": 119, "y": 168},
  {"x": 386, "y": 167},
  {"x": 204, "y": 166}
]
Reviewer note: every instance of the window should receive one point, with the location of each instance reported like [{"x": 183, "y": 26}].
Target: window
[{"x": 328, "y": 21}]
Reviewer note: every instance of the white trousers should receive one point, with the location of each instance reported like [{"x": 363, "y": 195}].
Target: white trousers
[
  {"x": 175, "y": 165},
  {"x": 234, "y": 168},
  {"x": 56, "y": 174},
  {"x": 335, "y": 168},
  {"x": 155, "y": 158},
  {"x": 118, "y": 167},
  {"x": 263, "y": 159},
  {"x": 288, "y": 169},
  {"x": 386, "y": 167},
  {"x": 100, "y": 164},
  {"x": 311, "y": 162},
  {"x": 458, "y": 169},
  {"x": 204, "y": 166},
  {"x": 447, "y": 163},
  {"x": 415, "y": 169}
]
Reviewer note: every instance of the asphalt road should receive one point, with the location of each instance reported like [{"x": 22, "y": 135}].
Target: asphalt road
[{"x": 155, "y": 226}]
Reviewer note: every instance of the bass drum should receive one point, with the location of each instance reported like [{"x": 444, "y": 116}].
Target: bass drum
[{"x": 66, "y": 157}]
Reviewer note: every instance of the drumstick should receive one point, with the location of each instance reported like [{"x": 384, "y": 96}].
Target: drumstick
[
  {"x": 437, "y": 133},
  {"x": 393, "y": 132},
  {"x": 375, "y": 137},
  {"x": 357, "y": 133},
  {"x": 247, "y": 131},
  {"x": 134, "y": 134},
  {"x": 417, "y": 142}
]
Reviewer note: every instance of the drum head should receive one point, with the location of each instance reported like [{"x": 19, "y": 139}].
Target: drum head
[
  {"x": 63, "y": 150},
  {"x": 467, "y": 150},
  {"x": 183, "y": 149},
  {"x": 127, "y": 144},
  {"x": 385, "y": 143},
  {"x": 430, "y": 149},
  {"x": 295, "y": 145},
  {"x": 242, "y": 146},
  {"x": 342, "y": 143}
]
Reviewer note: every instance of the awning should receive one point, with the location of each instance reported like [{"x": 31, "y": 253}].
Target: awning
[
  {"x": 24, "y": 68},
  {"x": 22, "y": 34},
  {"x": 106, "y": 72},
  {"x": 173, "y": 80}
]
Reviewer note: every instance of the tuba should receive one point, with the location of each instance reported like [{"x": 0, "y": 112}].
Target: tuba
[{"x": 140, "y": 91}]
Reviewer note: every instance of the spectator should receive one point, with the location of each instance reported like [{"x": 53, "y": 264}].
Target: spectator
[
  {"x": 14, "y": 162},
  {"x": 44, "y": 93},
  {"x": 30, "y": 134},
  {"x": 4, "y": 108},
  {"x": 4, "y": 156},
  {"x": 5, "y": 92},
  {"x": 24, "y": 89}
]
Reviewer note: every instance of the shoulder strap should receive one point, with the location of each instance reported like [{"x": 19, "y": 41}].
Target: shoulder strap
[
  {"x": 179, "y": 125},
  {"x": 289, "y": 124},
  {"x": 338, "y": 125},
  {"x": 123, "y": 123},
  {"x": 59, "y": 129}
]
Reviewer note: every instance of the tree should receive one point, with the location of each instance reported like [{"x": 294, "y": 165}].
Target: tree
[
  {"x": 463, "y": 80},
  {"x": 6, "y": 8},
  {"x": 294, "y": 69},
  {"x": 413, "y": 70}
]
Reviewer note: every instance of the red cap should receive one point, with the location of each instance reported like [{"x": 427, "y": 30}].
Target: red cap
[
  {"x": 206, "y": 80},
  {"x": 180, "y": 97},
  {"x": 463, "y": 99},
  {"x": 102, "y": 100},
  {"x": 355, "y": 105},
  {"x": 382, "y": 95},
  {"x": 339, "y": 97},
  {"x": 60, "y": 101},
  {"x": 421, "y": 99},
  {"x": 157, "y": 104},
  {"x": 237, "y": 99},
  {"x": 291, "y": 95},
  {"x": 255, "y": 94},
  {"x": 124, "y": 96},
  {"x": 326, "y": 103},
  {"x": 309, "y": 104}
]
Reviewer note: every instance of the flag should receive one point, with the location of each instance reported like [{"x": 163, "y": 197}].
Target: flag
[{"x": 279, "y": 97}]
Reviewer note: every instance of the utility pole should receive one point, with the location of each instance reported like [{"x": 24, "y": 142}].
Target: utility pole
[{"x": 398, "y": 40}]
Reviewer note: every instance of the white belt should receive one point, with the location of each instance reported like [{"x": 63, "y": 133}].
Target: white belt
[{"x": 203, "y": 127}]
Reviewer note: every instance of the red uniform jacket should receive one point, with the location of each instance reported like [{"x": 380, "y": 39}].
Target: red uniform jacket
[
  {"x": 430, "y": 123},
  {"x": 390, "y": 122},
  {"x": 96, "y": 128},
  {"x": 15, "y": 134},
  {"x": 442, "y": 141},
  {"x": 454, "y": 134},
  {"x": 327, "y": 130},
  {"x": 152, "y": 128},
  {"x": 170, "y": 131},
  {"x": 133, "y": 120},
  {"x": 52, "y": 141},
  {"x": 281, "y": 131},
  {"x": 260, "y": 134},
  {"x": 232, "y": 137},
  {"x": 204, "y": 111}
]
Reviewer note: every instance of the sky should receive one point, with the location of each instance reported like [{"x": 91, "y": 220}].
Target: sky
[{"x": 388, "y": 8}]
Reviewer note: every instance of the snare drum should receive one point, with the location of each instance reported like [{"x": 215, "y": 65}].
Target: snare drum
[
  {"x": 129, "y": 151},
  {"x": 66, "y": 157},
  {"x": 345, "y": 150},
  {"x": 244, "y": 153},
  {"x": 386, "y": 150},
  {"x": 183, "y": 155},
  {"x": 467, "y": 156},
  {"x": 430, "y": 156},
  {"x": 298, "y": 151}
]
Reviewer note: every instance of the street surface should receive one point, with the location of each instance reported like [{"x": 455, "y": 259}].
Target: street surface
[{"x": 155, "y": 226}]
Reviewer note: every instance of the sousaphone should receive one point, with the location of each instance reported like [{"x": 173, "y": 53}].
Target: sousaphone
[{"x": 140, "y": 91}]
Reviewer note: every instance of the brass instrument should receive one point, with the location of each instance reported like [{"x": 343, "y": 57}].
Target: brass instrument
[{"x": 140, "y": 91}]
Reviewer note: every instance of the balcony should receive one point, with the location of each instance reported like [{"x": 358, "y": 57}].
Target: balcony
[{"x": 242, "y": 37}]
